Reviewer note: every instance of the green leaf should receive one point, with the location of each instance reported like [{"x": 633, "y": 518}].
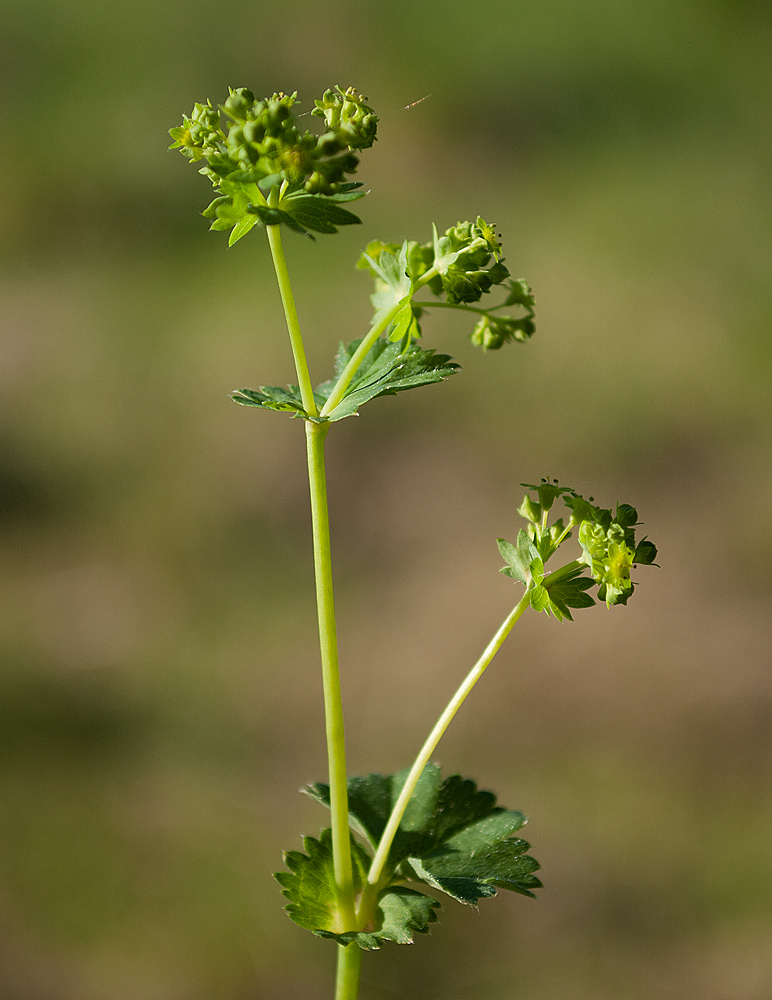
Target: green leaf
[
  {"x": 309, "y": 885},
  {"x": 392, "y": 270},
  {"x": 519, "y": 558},
  {"x": 234, "y": 206},
  {"x": 370, "y": 800},
  {"x": 540, "y": 598},
  {"x": 452, "y": 837},
  {"x": 270, "y": 216},
  {"x": 645, "y": 553},
  {"x": 405, "y": 324},
  {"x": 241, "y": 228},
  {"x": 276, "y": 397},
  {"x": 469, "y": 876},
  {"x": 570, "y": 592},
  {"x": 400, "y": 913},
  {"x": 444, "y": 255},
  {"x": 387, "y": 370},
  {"x": 348, "y": 192},
  {"x": 319, "y": 214}
]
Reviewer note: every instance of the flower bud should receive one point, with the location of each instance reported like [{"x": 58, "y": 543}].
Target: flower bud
[
  {"x": 329, "y": 144},
  {"x": 239, "y": 103},
  {"x": 530, "y": 510}
]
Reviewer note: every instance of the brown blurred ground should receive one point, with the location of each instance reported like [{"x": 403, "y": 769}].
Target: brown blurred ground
[{"x": 160, "y": 702}]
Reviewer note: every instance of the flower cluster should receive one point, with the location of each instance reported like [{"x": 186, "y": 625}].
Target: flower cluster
[
  {"x": 609, "y": 548},
  {"x": 262, "y": 144},
  {"x": 609, "y": 551},
  {"x": 466, "y": 263}
]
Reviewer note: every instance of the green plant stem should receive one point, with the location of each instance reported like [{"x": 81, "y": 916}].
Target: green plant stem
[
  {"x": 566, "y": 570},
  {"x": 463, "y": 308},
  {"x": 291, "y": 315},
  {"x": 333, "y": 704},
  {"x": 370, "y": 893},
  {"x": 328, "y": 642},
  {"x": 344, "y": 380},
  {"x": 349, "y": 967}
]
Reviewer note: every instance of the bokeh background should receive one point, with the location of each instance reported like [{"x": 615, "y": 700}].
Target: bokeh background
[{"x": 160, "y": 701}]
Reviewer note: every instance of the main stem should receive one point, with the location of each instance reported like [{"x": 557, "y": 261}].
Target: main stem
[
  {"x": 293, "y": 324},
  {"x": 349, "y": 958},
  {"x": 349, "y": 967},
  {"x": 424, "y": 755},
  {"x": 333, "y": 704},
  {"x": 328, "y": 641}
]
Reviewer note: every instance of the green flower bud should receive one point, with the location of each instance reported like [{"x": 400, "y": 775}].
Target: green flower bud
[
  {"x": 530, "y": 510},
  {"x": 492, "y": 332},
  {"x": 316, "y": 183},
  {"x": 609, "y": 556},
  {"x": 520, "y": 294},
  {"x": 548, "y": 493},
  {"x": 329, "y": 144},
  {"x": 486, "y": 335},
  {"x": 253, "y": 131},
  {"x": 348, "y": 114},
  {"x": 239, "y": 103},
  {"x": 264, "y": 145}
]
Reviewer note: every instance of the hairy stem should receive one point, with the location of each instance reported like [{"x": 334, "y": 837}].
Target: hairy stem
[
  {"x": 376, "y": 869},
  {"x": 339, "y": 389},
  {"x": 333, "y": 704},
  {"x": 293, "y": 326},
  {"x": 349, "y": 967}
]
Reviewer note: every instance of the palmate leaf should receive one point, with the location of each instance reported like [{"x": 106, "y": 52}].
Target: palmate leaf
[
  {"x": 309, "y": 887},
  {"x": 241, "y": 206},
  {"x": 400, "y": 913},
  {"x": 392, "y": 270},
  {"x": 570, "y": 592},
  {"x": 385, "y": 371},
  {"x": 452, "y": 837},
  {"x": 522, "y": 560},
  {"x": 276, "y": 397},
  {"x": 319, "y": 213}
]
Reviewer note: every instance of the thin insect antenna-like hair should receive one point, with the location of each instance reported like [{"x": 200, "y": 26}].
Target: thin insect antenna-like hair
[{"x": 407, "y": 107}]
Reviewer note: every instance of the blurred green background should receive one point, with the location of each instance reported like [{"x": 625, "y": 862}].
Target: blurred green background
[{"x": 160, "y": 699}]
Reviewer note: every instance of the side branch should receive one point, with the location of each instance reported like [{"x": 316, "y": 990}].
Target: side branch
[
  {"x": 348, "y": 373},
  {"x": 381, "y": 855}
]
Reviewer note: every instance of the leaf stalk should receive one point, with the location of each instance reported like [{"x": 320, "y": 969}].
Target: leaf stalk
[
  {"x": 369, "y": 896},
  {"x": 348, "y": 373}
]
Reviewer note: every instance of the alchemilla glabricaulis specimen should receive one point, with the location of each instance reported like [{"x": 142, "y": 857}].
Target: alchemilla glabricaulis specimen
[{"x": 397, "y": 844}]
